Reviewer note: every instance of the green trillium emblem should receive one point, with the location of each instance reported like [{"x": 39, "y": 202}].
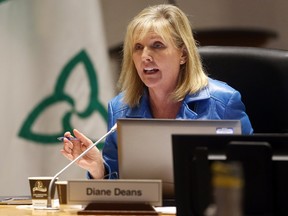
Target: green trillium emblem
[{"x": 60, "y": 96}]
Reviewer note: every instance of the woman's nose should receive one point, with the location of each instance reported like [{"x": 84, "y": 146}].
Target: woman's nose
[{"x": 146, "y": 55}]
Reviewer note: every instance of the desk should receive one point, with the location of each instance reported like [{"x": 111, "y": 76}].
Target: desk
[{"x": 14, "y": 210}]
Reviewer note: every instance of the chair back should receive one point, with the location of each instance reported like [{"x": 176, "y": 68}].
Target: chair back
[{"x": 260, "y": 75}]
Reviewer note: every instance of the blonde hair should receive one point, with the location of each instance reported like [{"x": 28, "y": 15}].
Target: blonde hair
[{"x": 170, "y": 23}]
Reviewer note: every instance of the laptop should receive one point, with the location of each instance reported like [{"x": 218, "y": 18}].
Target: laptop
[{"x": 145, "y": 146}]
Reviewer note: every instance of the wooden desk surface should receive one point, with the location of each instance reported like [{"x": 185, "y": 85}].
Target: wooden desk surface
[
  {"x": 21, "y": 210},
  {"x": 24, "y": 210}
]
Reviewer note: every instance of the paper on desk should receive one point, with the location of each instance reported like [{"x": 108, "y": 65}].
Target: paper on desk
[
  {"x": 21, "y": 200},
  {"x": 166, "y": 210}
]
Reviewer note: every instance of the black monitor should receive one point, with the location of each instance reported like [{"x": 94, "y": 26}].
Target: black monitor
[{"x": 264, "y": 159}]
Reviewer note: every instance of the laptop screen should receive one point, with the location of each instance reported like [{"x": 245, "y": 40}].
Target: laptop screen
[{"x": 145, "y": 146}]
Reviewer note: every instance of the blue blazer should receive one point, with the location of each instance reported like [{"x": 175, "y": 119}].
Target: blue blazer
[{"x": 216, "y": 101}]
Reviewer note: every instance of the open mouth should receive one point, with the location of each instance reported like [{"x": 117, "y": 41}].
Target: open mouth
[{"x": 150, "y": 70}]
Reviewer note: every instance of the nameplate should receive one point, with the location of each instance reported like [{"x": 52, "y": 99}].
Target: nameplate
[{"x": 127, "y": 191}]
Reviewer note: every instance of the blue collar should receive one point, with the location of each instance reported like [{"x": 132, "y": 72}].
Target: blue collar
[{"x": 143, "y": 109}]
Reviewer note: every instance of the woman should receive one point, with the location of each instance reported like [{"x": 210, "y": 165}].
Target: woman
[{"x": 161, "y": 77}]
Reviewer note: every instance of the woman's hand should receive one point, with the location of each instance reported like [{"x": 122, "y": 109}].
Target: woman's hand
[{"x": 91, "y": 161}]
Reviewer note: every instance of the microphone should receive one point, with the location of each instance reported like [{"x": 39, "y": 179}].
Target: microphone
[{"x": 49, "y": 202}]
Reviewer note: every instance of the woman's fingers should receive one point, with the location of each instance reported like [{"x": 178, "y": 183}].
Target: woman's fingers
[
  {"x": 67, "y": 155},
  {"x": 91, "y": 161},
  {"x": 82, "y": 138}
]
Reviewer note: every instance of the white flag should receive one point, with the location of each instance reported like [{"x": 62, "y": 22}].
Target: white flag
[{"x": 55, "y": 76}]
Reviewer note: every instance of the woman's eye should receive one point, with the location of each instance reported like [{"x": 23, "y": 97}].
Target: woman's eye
[
  {"x": 158, "y": 45},
  {"x": 138, "y": 47}
]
